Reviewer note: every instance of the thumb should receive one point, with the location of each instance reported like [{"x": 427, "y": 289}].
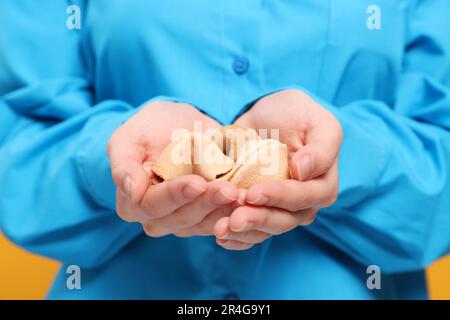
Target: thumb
[
  {"x": 127, "y": 170},
  {"x": 312, "y": 161},
  {"x": 322, "y": 145},
  {"x": 132, "y": 180},
  {"x": 245, "y": 120}
]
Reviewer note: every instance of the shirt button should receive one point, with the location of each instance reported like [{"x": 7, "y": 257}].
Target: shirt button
[
  {"x": 231, "y": 296},
  {"x": 241, "y": 65}
]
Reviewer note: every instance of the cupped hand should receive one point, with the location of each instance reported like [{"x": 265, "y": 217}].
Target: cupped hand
[
  {"x": 172, "y": 206},
  {"x": 313, "y": 136}
]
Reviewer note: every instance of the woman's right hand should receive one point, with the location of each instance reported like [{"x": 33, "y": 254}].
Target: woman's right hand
[{"x": 184, "y": 203}]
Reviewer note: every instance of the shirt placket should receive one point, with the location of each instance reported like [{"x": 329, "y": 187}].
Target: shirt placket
[
  {"x": 241, "y": 81},
  {"x": 241, "y": 42}
]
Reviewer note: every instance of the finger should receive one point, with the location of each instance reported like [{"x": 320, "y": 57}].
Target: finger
[
  {"x": 233, "y": 245},
  {"x": 223, "y": 232},
  {"x": 206, "y": 226},
  {"x": 251, "y": 236},
  {"x": 241, "y": 197},
  {"x": 322, "y": 145},
  {"x": 270, "y": 220},
  {"x": 164, "y": 198},
  {"x": 126, "y": 160},
  {"x": 222, "y": 227},
  {"x": 293, "y": 195},
  {"x": 219, "y": 193},
  {"x": 128, "y": 210}
]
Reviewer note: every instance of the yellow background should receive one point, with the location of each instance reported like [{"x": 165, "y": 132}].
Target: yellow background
[{"x": 26, "y": 276}]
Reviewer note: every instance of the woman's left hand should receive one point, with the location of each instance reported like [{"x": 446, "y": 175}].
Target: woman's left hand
[{"x": 313, "y": 136}]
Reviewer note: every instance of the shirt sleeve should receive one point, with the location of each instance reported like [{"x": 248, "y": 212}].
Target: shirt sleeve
[
  {"x": 57, "y": 197},
  {"x": 393, "y": 208}
]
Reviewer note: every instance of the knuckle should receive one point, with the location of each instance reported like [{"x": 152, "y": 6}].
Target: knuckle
[
  {"x": 336, "y": 128},
  {"x": 330, "y": 200},
  {"x": 118, "y": 173},
  {"x": 152, "y": 231},
  {"x": 309, "y": 219},
  {"x": 123, "y": 214}
]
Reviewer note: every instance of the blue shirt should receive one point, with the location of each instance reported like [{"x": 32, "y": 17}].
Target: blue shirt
[{"x": 384, "y": 72}]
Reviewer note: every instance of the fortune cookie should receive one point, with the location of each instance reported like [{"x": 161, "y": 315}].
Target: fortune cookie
[
  {"x": 234, "y": 137},
  {"x": 233, "y": 153},
  {"x": 175, "y": 160},
  {"x": 209, "y": 161},
  {"x": 259, "y": 161},
  {"x": 191, "y": 153}
]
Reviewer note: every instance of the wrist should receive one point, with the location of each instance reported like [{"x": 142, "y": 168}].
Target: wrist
[{"x": 91, "y": 158}]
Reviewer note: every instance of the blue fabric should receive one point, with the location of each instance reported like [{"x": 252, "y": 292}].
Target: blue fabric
[{"x": 63, "y": 92}]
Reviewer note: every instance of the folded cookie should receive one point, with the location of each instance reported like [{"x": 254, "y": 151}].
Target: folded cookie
[
  {"x": 233, "y": 153},
  {"x": 191, "y": 153},
  {"x": 259, "y": 161},
  {"x": 208, "y": 160},
  {"x": 234, "y": 138}
]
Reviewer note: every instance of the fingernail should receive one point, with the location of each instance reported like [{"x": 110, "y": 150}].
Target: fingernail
[
  {"x": 242, "y": 196},
  {"x": 260, "y": 200},
  {"x": 128, "y": 185},
  {"x": 193, "y": 190},
  {"x": 305, "y": 167}
]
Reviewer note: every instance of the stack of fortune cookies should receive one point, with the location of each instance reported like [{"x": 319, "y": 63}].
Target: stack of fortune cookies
[{"x": 232, "y": 153}]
